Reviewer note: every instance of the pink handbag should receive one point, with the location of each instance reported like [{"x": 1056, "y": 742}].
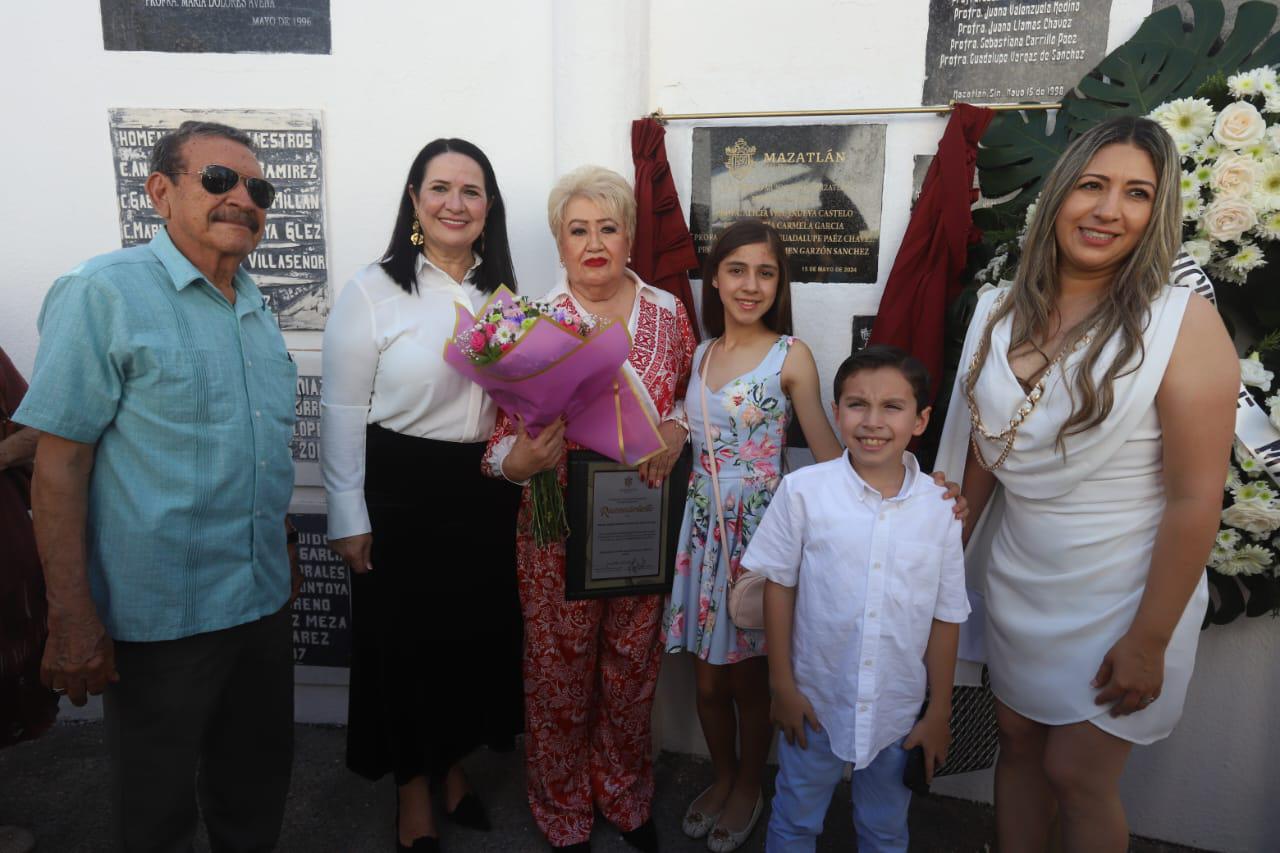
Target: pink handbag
[{"x": 745, "y": 593}]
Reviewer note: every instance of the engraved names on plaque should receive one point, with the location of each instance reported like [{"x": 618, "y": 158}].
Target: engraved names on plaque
[
  {"x": 821, "y": 186},
  {"x": 996, "y": 51}
]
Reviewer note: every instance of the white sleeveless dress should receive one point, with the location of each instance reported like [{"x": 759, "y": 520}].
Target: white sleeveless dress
[{"x": 1059, "y": 560}]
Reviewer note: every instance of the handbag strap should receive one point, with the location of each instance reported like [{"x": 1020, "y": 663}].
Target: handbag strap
[{"x": 711, "y": 457}]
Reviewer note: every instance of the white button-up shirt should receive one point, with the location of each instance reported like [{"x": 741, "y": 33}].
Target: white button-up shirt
[
  {"x": 383, "y": 364},
  {"x": 873, "y": 574}
]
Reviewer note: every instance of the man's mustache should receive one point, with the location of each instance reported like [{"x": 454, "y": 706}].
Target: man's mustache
[{"x": 237, "y": 217}]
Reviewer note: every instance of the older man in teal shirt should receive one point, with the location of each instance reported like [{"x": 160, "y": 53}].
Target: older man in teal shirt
[{"x": 165, "y": 396}]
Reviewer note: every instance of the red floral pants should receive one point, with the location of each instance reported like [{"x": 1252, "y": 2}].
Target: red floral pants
[{"x": 590, "y": 670}]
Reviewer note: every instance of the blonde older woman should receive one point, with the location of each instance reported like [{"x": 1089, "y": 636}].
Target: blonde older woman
[{"x": 590, "y": 666}]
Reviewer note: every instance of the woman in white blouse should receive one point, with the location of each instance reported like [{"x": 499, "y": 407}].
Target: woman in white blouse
[{"x": 435, "y": 668}]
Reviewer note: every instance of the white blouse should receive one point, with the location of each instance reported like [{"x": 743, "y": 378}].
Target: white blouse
[{"x": 383, "y": 364}]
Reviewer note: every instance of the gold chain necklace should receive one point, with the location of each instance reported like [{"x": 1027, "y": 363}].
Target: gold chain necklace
[{"x": 1024, "y": 410}]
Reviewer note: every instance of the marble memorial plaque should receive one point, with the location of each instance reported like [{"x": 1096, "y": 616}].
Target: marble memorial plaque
[
  {"x": 305, "y": 444},
  {"x": 997, "y": 51},
  {"x": 322, "y": 610},
  {"x": 821, "y": 186},
  {"x": 217, "y": 26},
  {"x": 291, "y": 263}
]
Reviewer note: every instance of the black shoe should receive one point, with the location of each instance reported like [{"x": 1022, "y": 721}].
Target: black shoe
[
  {"x": 470, "y": 812},
  {"x": 644, "y": 837}
]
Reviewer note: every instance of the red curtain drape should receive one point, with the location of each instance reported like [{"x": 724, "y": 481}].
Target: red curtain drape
[
  {"x": 663, "y": 251},
  {"x": 926, "y": 273}
]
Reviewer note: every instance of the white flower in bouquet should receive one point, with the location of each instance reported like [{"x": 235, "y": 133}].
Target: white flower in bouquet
[
  {"x": 1192, "y": 207},
  {"x": 1268, "y": 227},
  {"x": 1258, "y": 151},
  {"x": 1266, "y": 192},
  {"x": 1273, "y": 135},
  {"x": 1238, "y": 125},
  {"x": 1199, "y": 250},
  {"x": 1234, "y": 176},
  {"x": 1210, "y": 149},
  {"x": 1219, "y": 555},
  {"x": 1254, "y": 492},
  {"x": 1247, "y": 257},
  {"x": 1189, "y": 185},
  {"x": 1249, "y": 560},
  {"x": 1184, "y": 147},
  {"x": 1228, "y": 218},
  {"x": 1242, "y": 85},
  {"x": 1273, "y": 411},
  {"x": 1227, "y": 538},
  {"x": 1186, "y": 119},
  {"x": 1266, "y": 80},
  {"x": 1252, "y": 373},
  {"x": 1245, "y": 460}
]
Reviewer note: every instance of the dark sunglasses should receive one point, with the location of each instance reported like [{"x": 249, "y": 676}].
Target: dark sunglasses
[{"x": 220, "y": 180}]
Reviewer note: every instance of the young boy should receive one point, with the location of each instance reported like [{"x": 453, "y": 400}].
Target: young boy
[{"x": 864, "y": 598}]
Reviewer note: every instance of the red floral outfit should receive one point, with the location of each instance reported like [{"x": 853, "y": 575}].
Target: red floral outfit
[{"x": 590, "y": 667}]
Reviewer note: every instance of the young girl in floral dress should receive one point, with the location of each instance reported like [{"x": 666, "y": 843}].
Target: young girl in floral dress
[{"x": 755, "y": 374}]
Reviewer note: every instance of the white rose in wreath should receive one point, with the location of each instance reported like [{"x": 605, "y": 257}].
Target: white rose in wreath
[
  {"x": 1253, "y": 373},
  {"x": 1253, "y": 517},
  {"x": 1234, "y": 176},
  {"x": 1228, "y": 218},
  {"x": 1238, "y": 125}
]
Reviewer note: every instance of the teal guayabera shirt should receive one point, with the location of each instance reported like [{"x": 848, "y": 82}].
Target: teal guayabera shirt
[{"x": 190, "y": 401}]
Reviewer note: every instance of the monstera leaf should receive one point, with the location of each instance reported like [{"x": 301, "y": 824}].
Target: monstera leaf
[{"x": 1164, "y": 60}]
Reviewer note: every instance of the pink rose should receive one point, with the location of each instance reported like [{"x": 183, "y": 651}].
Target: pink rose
[{"x": 477, "y": 341}]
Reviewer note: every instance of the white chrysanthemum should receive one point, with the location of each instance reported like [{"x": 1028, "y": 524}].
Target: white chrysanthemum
[
  {"x": 1228, "y": 538},
  {"x": 1268, "y": 227},
  {"x": 1273, "y": 411},
  {"x": 1210, "y": 149},
  {"x": 1245, "y": 459},
  {"x": 1273, "y": 104},
  {"x": 1250, "y": 560},
  {"x": 1247, "y": 257},
  {"x": 1254, "y": 374},
  {"x": 1219, "y": 555},
  {"x": 1255, "y": 492},
  {"x": 1258, "y": 151},
  {"x": 1221, "y": 273},
  {"x": 1199, "y": 250},
  {"x": 1189, "y": 185},
  {"x": 1186, "y": 119},
  {"x": 1192, "y": 207},
  {"x": 1266, "y": 80},
  {"x": 1242, "y": 85},
  {"x": 1266, "y": 189}
]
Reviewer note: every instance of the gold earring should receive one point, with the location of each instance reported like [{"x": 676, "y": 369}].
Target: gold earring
[{"x": 415, "y": 236}]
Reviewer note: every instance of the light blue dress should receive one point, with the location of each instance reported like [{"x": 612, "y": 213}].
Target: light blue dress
[{"x": 748, "y": 420}]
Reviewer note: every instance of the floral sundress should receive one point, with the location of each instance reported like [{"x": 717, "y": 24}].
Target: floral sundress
[{"x": 748, "y": 420}]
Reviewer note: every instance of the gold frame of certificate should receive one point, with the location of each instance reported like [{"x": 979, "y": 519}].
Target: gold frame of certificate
[{"x": 623, "y": 535}]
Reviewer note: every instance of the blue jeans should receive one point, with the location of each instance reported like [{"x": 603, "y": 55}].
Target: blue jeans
[{"x": 806, "y": 779}]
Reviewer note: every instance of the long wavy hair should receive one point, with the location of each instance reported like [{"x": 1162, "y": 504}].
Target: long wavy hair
[
  {"x": 1125, "y": 306},
  {"x": 401, "y": 257}
]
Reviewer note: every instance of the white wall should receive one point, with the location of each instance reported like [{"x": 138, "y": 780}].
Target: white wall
[{"x": 544, "y": 86}]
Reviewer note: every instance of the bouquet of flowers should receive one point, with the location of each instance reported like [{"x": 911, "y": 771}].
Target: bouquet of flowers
[
  {"x": 538, "y": 362},
  {"x": 1231, "y": 170}
]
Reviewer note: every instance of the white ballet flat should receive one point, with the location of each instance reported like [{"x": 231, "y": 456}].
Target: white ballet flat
[
  {"x": 722, "y": 839},
  {"x": 697, "y": 824}
]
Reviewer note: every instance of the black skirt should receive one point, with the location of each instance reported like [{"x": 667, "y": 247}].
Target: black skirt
[{"x": 436, "y": 626}]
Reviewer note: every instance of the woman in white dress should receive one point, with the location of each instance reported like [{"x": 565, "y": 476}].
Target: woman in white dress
[{"x": 1097, "y": 405}]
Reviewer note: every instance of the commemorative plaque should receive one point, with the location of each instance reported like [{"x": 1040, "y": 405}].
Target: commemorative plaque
[
  {"x": 623, "y": 534},
  {"x": 322, "y": 610},
  {"x": 997, "y": 51},
  {"x": 217, "y": 26},
  {"x": 290, "y": 265},
  {"x": 305, "y": 445},
  {"x": 821, "y": 186}
]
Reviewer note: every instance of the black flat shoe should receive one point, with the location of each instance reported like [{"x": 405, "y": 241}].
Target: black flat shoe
[
  {"x": 644, "y": 837},
  {"x": 470, "y": 812}
]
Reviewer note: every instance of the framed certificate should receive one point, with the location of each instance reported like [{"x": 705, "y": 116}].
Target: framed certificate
[{"x": 623, "y": 534}]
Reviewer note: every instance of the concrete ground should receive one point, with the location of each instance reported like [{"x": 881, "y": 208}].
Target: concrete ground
[{"x": 56, "y": 786}]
